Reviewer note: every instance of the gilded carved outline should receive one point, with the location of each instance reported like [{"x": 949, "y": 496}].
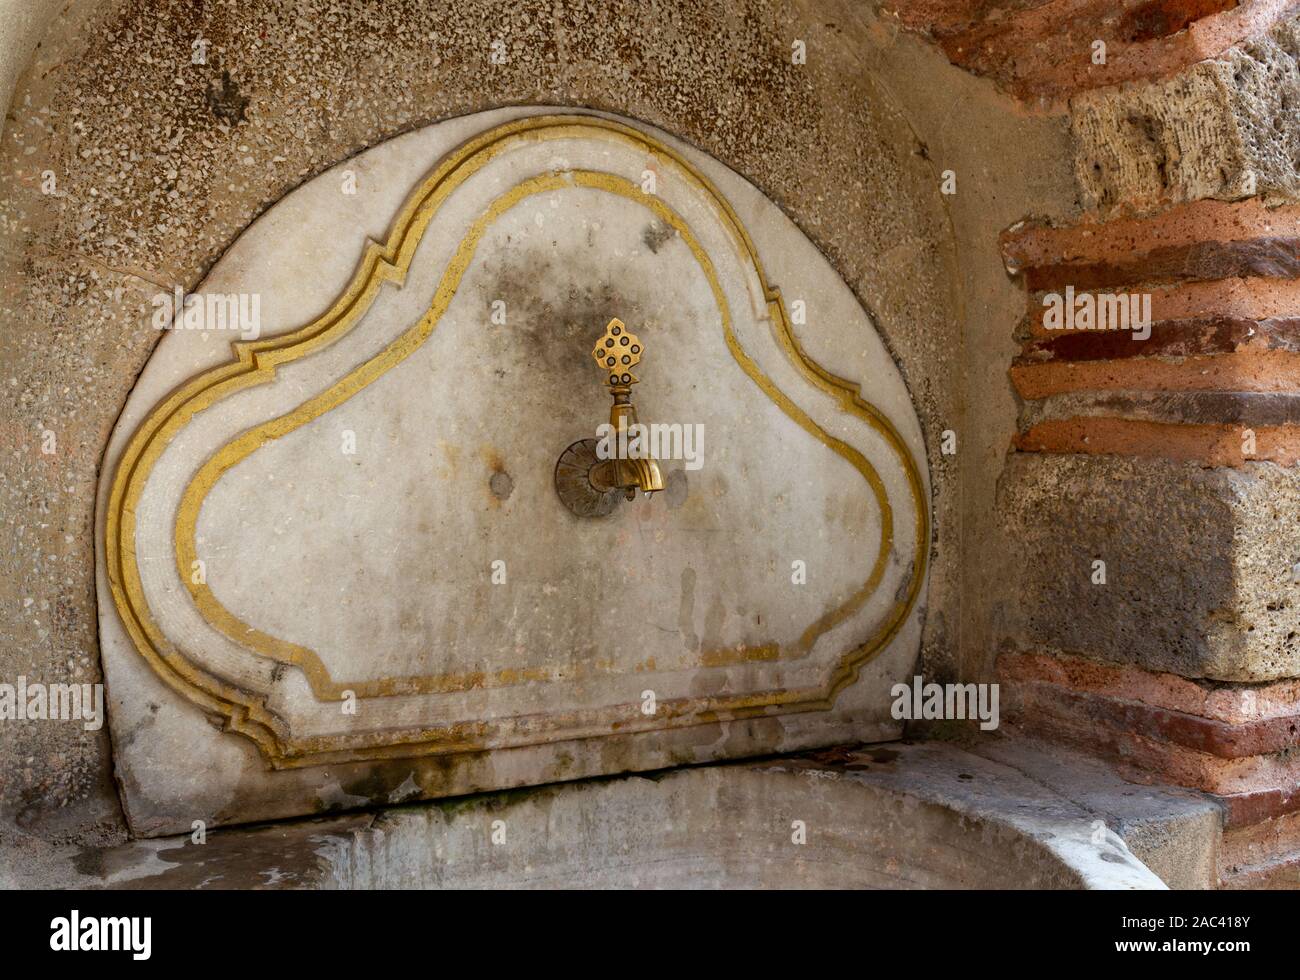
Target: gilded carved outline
[{"x": 255, "y": 362}]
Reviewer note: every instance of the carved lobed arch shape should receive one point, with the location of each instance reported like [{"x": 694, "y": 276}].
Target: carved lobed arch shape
[{"x": 256, "y": 362}]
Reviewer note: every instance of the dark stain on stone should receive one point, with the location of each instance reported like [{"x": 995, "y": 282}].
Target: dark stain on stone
[
  {"x": 28, "y": 816},
  {"x": 375, "y": 786},
  {"x": 502, "y": 485},
  {"x": 90, "y": 861},
  {"x": 900, "y": 594},
  {"x": 686, "y": 610},
  {"x": 1161, "y": 18},
  {"x": 656, "y": 234},
  {"x": 225, "y": 101},
  {"x": 843, "y": 756},
  {"x": 549, "y": 332},
  {"x": 1169, "y": 338},
  {"x": 1273, "y": 257},
  {"x": 675, "y": 488},
  {"x": 1244, "y": 407}
]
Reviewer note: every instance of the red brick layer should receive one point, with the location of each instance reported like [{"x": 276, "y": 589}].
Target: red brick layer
[
  {"x": 1223, "y": 281},
  {"x": 1236, "y": 742},
  {"x": 1042, "y": 50}
]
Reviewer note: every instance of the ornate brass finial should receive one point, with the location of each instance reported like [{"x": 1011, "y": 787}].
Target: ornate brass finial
[
  {"x": 617, "y": 353},
  {"x": 587, "y": 478}
]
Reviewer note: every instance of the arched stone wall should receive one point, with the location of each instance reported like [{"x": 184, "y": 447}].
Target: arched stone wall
[{"x": 158, "y": 163}]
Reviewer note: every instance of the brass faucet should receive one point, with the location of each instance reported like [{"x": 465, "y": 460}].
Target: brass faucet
[{"x": 588, "y": 484}]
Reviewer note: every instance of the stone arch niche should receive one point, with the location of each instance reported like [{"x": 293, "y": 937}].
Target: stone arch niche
[{"x": 333, "y": 567}]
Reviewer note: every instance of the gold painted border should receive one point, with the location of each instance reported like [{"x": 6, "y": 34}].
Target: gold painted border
[{"x": 255, "y": 363}]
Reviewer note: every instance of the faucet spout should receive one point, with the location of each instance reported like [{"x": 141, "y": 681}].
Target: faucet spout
[
  {"x": 588, "y": 478},
  {"x": 628, "y": 475}
]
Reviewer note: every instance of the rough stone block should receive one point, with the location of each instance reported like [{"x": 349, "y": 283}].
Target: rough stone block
[
  {"x": 1198, "y": 563},
  {"x": 1223, "y": 128}
]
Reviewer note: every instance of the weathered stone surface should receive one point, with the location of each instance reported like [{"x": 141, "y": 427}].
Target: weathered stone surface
[
  {"x": 1251, "y": 369},
  {"x": 1170, "y": 245},
  {"x": 1222, "y": 128},
  {"x": 1169, "y": 338},
  {"x": 1213, "y": 736},
  {"x": 1274, "y": 875},
  {"x": 1137, "y": 741},
  {"x": 1236, "y": 742},
  {"x": 1215, "y": 444},
  {"x": 469, "y": 628},
  {"x": 1264, "y": 256},
  {"x": 161, "y": 163},
  {"x": 1199, "y": 562},
  {"x": 1194, "y": 303},
  {"x": 909, "y": 816},
  {"x": 1251, "y": 408},
  {"x": 1173, "y": 832},
  {"x": 1262, "y": 855},
  {"x": 1043, "y": 50},
  {"x": 155, "y": 182}
]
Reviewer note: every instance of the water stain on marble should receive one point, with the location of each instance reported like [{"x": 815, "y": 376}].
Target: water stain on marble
[
  {"x": 502, "y": 485},
  {"x": 657, "y": 234},
  {"x": 686, "y": 611}
]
